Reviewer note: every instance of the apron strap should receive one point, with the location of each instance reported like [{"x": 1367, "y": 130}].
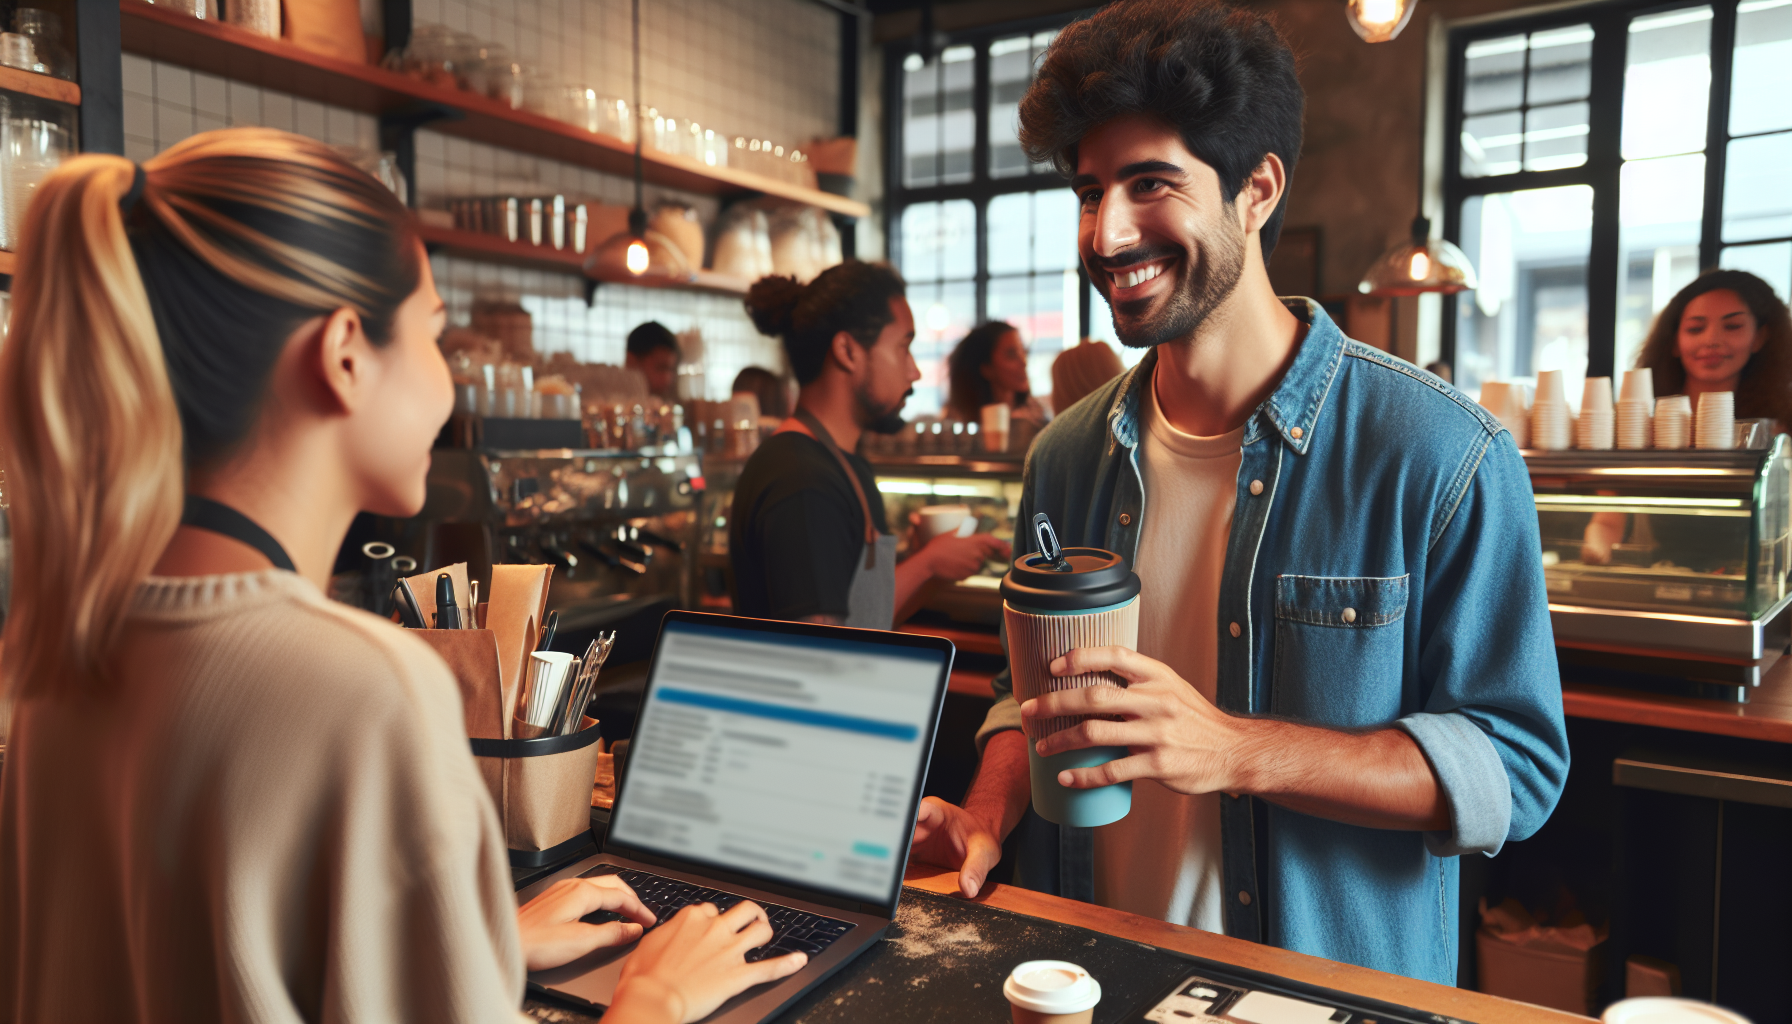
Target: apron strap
[
  {"x": 216, "y": 517},
  {"x": 805, "y": 423}
]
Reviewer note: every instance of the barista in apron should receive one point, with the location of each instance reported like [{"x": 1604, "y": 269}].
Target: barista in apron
[{"x": 807, "y": 538}]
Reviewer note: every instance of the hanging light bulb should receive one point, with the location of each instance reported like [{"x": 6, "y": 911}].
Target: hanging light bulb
[
  {"x": 637, "y": 257},
  {"x": 1420, "y": 264},
  {"x": 1378, "y": 21}
]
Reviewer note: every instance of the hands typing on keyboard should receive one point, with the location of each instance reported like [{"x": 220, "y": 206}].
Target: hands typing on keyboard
[{"x": 793, "y": 931}]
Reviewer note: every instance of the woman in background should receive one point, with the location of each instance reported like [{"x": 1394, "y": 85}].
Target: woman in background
[
  {"x": 227, "y": 797},
  {"x": 768, "y": 388},
  {"x": 1726, "y": 331},
  {"x": 989, "y": 367},
  {"x": 1081, "y": 369}
]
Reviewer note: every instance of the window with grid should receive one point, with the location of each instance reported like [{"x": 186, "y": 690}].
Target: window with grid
[
  {"x": 1604, "y": 154},
  {"x": 978, "y": 230}
]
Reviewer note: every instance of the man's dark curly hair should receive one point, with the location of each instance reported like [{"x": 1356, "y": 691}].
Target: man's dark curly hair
[{"x": 1221, "y": 75}]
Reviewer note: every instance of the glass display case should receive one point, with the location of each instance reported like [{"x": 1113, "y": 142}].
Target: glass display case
[{"x": 1682, "y": 554}]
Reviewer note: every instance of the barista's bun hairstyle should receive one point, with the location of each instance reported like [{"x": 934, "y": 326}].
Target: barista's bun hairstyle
[
  {"x": 853, "y": 296},
  {"x": 149, "y": 307}
]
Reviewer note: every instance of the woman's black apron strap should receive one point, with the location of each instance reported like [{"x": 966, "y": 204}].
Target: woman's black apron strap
[{"x": 216, "y": 517}]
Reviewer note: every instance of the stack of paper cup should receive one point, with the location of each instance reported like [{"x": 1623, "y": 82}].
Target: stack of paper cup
[
  {"x": 1510, "y": 404},
  {"x": 1551, "y": 423},
  {"x": 1635, "y": 403},
  {"x": 1593, "y": 430},
  {"x": 1715, "y": 426},
  {"x": 995, "y": 420},
  {"x": 1673, "y": 422}
]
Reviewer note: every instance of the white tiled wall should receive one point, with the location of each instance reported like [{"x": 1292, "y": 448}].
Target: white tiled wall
[
  {"x": 766, "y": 68},
  {"x": 754, "y": 67}
]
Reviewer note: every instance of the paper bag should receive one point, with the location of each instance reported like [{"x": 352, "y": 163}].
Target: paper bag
[
  {"x": 543, "y": 791},
  {"x": 423, "y": 585}
]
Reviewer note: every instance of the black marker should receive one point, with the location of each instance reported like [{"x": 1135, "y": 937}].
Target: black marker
[{"x": 447, "y": 612}]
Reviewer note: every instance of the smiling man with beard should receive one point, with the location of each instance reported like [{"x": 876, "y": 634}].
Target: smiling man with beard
[
  {"x": 807, "y": 538},
  {"x": 1346, "y": 676}
]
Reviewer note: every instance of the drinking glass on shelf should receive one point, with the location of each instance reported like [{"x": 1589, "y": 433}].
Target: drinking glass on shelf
[
  {"x": 261, "y": 17},
  {"x": 16, "y": 51},
  {"x": 29, "y": 150},
  {"x": 44, "y": 29}
]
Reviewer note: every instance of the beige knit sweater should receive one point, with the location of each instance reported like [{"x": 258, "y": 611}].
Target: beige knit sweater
[{"x": 273, "y": 817}]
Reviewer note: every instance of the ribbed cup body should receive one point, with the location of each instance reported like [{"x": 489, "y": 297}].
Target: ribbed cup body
[{"x": 1035, "y": 641}]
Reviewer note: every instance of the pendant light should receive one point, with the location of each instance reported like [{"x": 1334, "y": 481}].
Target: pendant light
[
  {"x": 638, "y": 254},
  {"x": 1378, "y": 21},
  {"x": 1420, "y": 263}
]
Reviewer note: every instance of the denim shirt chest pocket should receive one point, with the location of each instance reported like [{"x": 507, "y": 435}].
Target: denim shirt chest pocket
[{"x": 1339, "y": 649}]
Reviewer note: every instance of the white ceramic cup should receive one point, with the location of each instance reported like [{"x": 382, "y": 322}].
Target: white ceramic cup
[
  {"x": 1051, "y": 992},
  {"x": 942, "y": 519}
]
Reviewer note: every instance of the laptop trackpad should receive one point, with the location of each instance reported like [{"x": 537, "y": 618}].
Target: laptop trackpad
[{"x": 592, "y": 977}]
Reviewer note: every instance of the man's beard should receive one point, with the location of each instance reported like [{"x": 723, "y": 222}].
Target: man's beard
[
  {"x": 878, "y": 420},
  {"x": 1204, "y": 285}
]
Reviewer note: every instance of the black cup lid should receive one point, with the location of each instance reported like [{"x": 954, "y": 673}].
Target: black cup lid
[{"x": 1095, "y": 578}]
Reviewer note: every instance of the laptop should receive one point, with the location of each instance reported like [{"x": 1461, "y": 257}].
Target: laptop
[{"x": 780, "y": 762}]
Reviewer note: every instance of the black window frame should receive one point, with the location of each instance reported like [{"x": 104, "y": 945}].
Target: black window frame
[
  {"x": 981, "y": 188},
  {"x": 1610, "y": 21}
]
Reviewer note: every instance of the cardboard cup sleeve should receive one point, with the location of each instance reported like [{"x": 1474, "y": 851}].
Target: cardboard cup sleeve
[{"x": 1035, "y": 641}]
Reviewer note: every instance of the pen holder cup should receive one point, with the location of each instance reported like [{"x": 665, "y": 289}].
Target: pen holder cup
[{"x": 542, "y": 788}]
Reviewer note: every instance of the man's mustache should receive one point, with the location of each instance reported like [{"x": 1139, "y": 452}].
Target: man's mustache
[{"x": 1135, "y": 255}]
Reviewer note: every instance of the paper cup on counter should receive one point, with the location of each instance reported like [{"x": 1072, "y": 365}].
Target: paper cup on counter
[
  {"x": 994, "y": 419},
  {"x": 1639, "y": 386},
  {"x": 1673, "y": 422},
  {"x": 1051, "y": 992},
  {"x": 1715, "y": 425}
]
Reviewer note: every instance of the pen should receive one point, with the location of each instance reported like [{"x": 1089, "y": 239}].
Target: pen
[
  {"x": 472, "y": 604},
  {"x": 548, "y": 629},
  {"x": 408, "y": 612},
  {"x": 447, "y": 612}
]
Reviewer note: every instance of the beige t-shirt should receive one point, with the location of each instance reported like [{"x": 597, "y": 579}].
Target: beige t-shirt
[
  {"x": 1163, "y": 859},
  {"x": 273, "y": 816}
]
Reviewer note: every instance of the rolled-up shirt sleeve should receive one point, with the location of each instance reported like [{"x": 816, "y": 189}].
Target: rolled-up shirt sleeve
[{"x": 1491, "y": 725}]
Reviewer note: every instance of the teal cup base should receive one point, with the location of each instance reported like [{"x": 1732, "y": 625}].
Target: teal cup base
[{"x": 1082, "y": 808}]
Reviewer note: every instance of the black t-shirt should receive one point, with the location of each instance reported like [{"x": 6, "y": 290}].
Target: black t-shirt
[{"x": 797, "y": 534}]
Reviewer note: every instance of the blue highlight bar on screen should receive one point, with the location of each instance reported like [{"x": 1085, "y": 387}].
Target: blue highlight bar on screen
[
  {"x": 802, "y": 716},
  {"x": 871, "y": 850}
]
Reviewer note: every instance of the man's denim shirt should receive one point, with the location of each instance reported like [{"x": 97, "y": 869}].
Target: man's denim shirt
[{"x": 1384, "y": 491}]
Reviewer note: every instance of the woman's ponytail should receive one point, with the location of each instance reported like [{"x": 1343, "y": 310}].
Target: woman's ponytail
[{"x": 90, "y": 436}]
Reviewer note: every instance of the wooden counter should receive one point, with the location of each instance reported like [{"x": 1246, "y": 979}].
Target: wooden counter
[
  {"x": 1767, "y": 715},
  {"x": 1420, "y": 995}
]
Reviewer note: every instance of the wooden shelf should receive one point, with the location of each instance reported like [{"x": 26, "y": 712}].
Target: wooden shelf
[
  {"x": 226, "y": 50},
  {"x": 479, "y": 246},
  {"x": 42, "y": 86}
]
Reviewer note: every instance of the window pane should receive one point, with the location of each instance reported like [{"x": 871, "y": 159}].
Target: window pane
[
  {"x": 1762, "y": 77},
  {"x": 1495, "y": 75},
  {"x": 1011, "y": 63},
  {"x": 938, "y": 122},
  {"x": 1771, "y": 263},
  {"x": 1530, "y": 312},
  {"x": 1031, "y": 231},
  {"x": 1758, "y": 188},
  {"x": 1667, "y": 83},
  {"x": 1490, "y": 144},
  {"x": 944, "y": 313},
  {"x": 1660, "y": 203},
  {"x": 1555, "y": 137},
  {"x": 939, "y": 240},
  {"x": 1043, "y": 308},
  {"x": 1561, "y": 67}
]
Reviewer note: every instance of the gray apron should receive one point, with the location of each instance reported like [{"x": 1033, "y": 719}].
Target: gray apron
[{"x": 871, "y": 600}]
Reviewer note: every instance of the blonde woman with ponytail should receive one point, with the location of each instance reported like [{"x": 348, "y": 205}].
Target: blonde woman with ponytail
[{"x": 225, "y": 797}]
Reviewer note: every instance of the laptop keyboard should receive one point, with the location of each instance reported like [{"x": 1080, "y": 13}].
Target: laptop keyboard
[{"x": 792, "y": 930}]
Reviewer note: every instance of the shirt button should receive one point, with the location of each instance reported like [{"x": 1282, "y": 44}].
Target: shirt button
[
  {"x": 1125, "y": 519},
  {"x": 1256, "y": 487},
  {"x": 1235, "y": 629},
  {"x": 1350, "y": 615},
  {"x": 1296, "y": 433},
  {"x": 1244, "y": 897}
]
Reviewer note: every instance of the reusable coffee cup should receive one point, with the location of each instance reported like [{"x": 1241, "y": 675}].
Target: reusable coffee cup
[
  {"x": 1051, "y": 992},
  {"x": 1053, "y": 602}
]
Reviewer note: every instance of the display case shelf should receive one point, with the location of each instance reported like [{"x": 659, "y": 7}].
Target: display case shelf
[
  {"x": 228, "y": 51},
  {"x": 476, "y": 245},
  {"x": 42, "y": 86}
]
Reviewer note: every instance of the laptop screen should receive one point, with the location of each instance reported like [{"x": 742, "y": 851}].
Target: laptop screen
[{"x": 797, "y": 758}]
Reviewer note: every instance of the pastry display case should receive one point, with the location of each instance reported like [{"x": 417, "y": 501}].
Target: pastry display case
[{"x": 1668, "y": 564}]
